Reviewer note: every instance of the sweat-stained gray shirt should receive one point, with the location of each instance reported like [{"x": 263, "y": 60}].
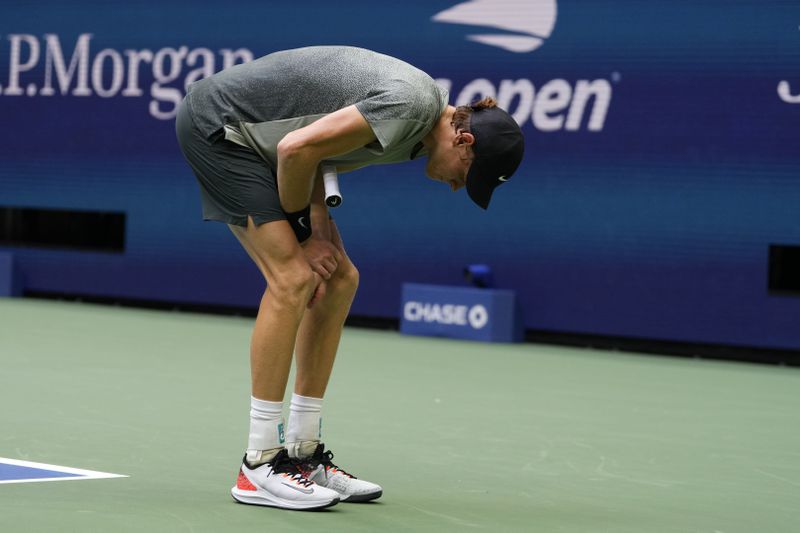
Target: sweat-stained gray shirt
[{"x": 257, "y": 103}]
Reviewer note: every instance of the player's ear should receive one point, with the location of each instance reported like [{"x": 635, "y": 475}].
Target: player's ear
[{"x": 464, "y": 138}]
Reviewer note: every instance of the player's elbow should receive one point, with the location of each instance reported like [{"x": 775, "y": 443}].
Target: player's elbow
[
  {"x": 290, "y": 147},
  {"x": 297, "y": 145}
]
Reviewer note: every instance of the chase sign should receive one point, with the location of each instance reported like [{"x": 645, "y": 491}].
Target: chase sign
[{"x": 460, "y": 312}]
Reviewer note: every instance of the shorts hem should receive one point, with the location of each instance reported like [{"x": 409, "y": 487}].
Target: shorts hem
[{"x": 241, "y": 221}]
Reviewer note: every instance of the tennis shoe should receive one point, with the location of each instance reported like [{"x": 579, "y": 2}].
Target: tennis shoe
[
  {"x": 279, "y": 483},
  {"x": 320, "y": 469}
]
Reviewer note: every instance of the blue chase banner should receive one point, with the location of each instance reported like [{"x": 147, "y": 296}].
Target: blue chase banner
[
  {"x": 661, "y": 154},
  {"x": 460, "y": 312}
]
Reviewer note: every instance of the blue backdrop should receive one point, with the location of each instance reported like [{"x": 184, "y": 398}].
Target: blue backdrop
[{"x": 661, "y": 146}]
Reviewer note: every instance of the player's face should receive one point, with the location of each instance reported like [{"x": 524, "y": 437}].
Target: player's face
[{"x": 449, "y": 162}]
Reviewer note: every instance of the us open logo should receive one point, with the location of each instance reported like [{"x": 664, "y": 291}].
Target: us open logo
[{"x": 525, "y": 25}]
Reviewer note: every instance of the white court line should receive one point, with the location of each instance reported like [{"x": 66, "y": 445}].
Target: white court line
[{"x": 82, "y": 474}]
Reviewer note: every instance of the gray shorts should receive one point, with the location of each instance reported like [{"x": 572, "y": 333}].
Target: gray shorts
[{"x": 234, "y": 181}]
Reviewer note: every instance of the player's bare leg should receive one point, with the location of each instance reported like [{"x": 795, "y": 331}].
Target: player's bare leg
[
  {"x": 274, "y": 249},
  {"x": 321, "y": 328},
  {"x": 267, "y": 475},
  {"x": 317, "y": 343}
]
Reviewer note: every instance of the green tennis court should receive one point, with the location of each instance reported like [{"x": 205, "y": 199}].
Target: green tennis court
[{"x": 462, "y": 436}]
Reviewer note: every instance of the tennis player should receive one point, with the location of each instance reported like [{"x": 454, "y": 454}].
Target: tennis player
[{"x": 256, "y": 136}]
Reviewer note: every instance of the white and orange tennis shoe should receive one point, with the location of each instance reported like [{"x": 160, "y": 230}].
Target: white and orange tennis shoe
[
  {"x": 320, "y": 469},
  {"x": 279, "y": 483}
]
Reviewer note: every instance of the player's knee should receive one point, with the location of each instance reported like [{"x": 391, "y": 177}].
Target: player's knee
[
  {"x": 346, "y": 278},
  {"x": 294, "y": 287}
]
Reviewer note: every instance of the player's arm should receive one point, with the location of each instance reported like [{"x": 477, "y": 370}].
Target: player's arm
[
  {"x": 321, "y": 253},
  {"x": 301, "y": 151},
  {"x": 320, "y": 221}
]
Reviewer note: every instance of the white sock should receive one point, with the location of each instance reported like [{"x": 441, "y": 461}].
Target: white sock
[
  {"x": 266, "y": 430},
  {"x": 304, "y": 428}
]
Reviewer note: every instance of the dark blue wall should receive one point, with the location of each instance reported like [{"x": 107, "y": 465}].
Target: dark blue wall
[{"x": 644, "y": 210}]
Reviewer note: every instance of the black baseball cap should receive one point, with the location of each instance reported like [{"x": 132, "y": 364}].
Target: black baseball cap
[{"x": 498, "y": 150}]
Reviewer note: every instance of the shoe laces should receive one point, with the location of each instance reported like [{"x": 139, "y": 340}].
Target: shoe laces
[
  {"x": 327, "y": 461},
  {"x": 283, "y": 464}
]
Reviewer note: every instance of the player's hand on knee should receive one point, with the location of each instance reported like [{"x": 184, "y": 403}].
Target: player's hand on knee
[{"x": 323, "y": 256}]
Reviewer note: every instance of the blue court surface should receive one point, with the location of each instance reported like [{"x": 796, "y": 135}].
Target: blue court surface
[
  {"x": 17, "y": 471},
  {"x": 19, "y": 474}
]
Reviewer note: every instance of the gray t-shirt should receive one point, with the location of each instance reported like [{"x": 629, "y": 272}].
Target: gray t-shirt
[{"x": 258, "y": 103}]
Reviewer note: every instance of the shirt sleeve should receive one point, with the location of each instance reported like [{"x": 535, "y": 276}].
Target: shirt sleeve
[{"x": 398, "y": 111}]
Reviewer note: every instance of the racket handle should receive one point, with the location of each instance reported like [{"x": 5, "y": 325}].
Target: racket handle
[{"x": 333, "y": 198}]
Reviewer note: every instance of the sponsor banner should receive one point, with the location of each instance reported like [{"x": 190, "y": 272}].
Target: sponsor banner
[
  {"x": 661, "y": 161},
  {"x": 44, "y": 67},
  {"x": 458, "y": 312}
]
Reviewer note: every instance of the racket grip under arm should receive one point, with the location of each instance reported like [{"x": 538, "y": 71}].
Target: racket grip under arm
[{"x": 333, "y": 198}]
